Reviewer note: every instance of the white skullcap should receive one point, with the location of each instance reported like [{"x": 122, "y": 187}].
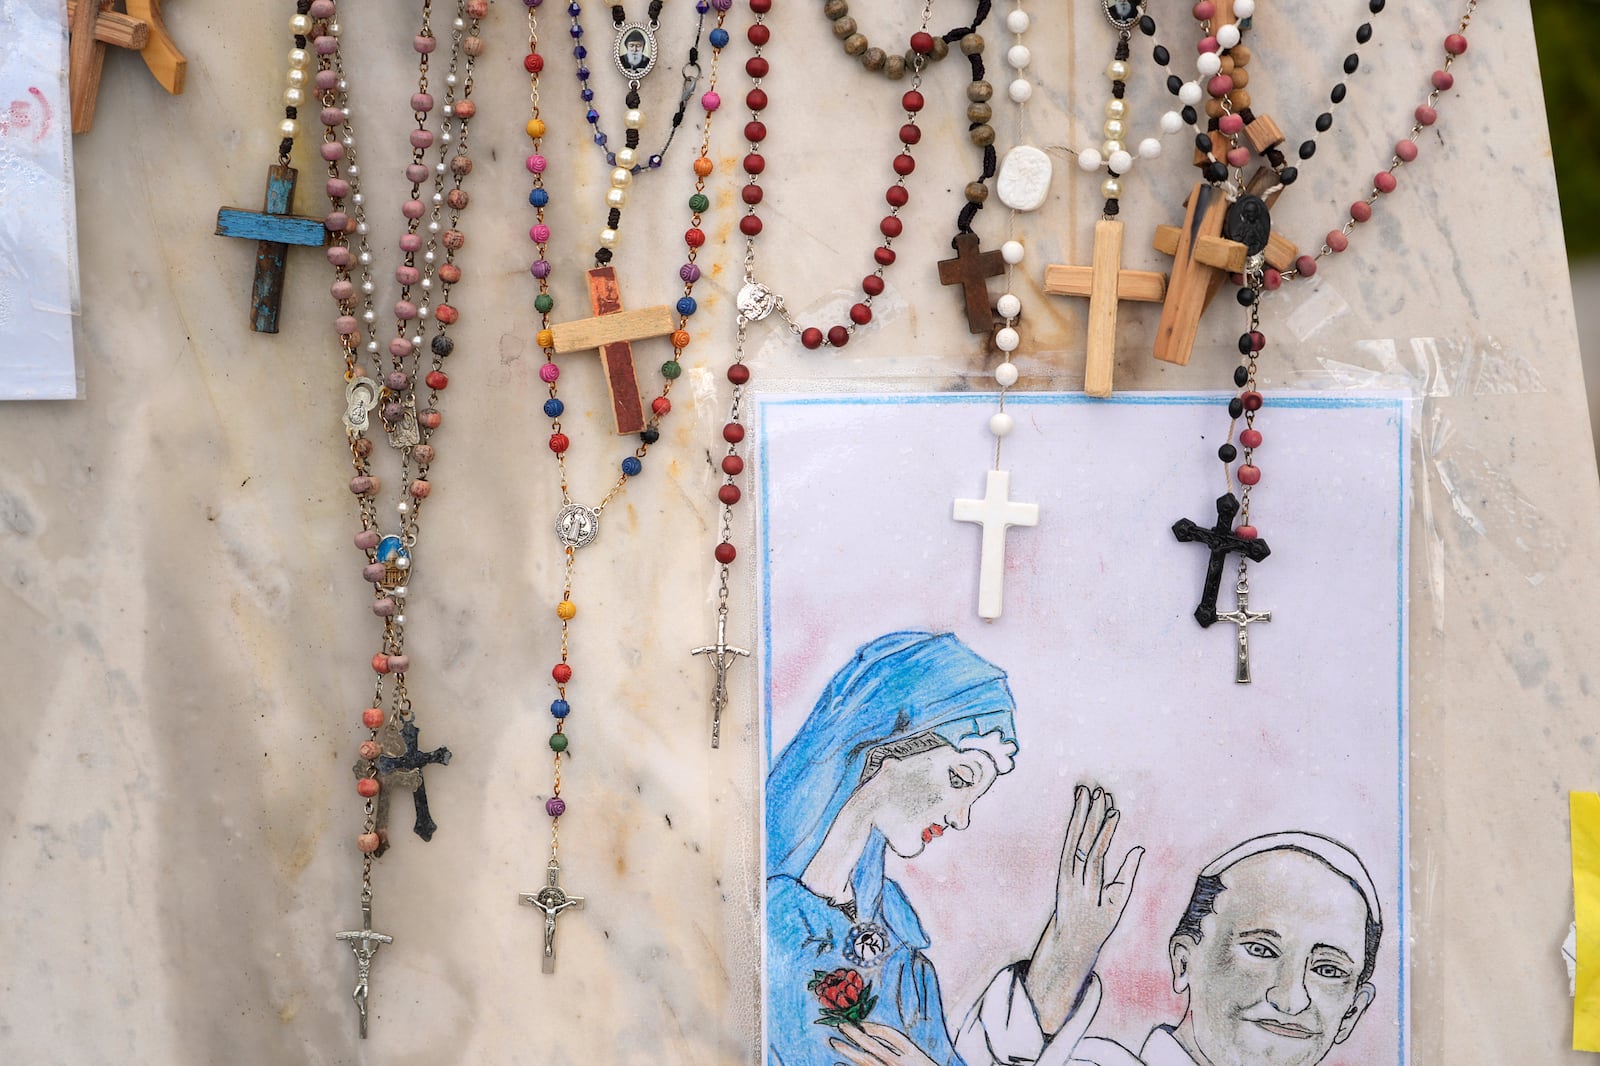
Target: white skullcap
[{"x": 1338, "y": 857}]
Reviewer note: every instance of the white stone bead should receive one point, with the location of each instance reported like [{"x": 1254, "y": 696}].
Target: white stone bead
[
  {"x": 1008, "y": 305},
  {"x": 1117, "y": 70},
  {"x": 633, "y": 118},
  {"x": 1114, "y": 129},
  {"x": 1243, "y": 9},
  {"x": 1012, "y": 252},
  {"x": 1190, "y": 93},
  {"x": 1228, "y": 36},
  {"x": 1111, "y": 188},
  {"x": 1006, "y": 339},
  {"x": 1018, "y": 21},
  {"x": 1001, "y": 424},
  {"x": 1019, "y": 56},
  {"x": 1116, "y": 108},
  {"x": 1024, "y": 178},
  {"x": 1208, "y": 63},
  {"x": 1089, "y": 159},
  {"x": 1171, "y": 122},
  {"x": 1020, "y": 90},
  {"x": 1005, "y": 375},
  {"x": 1121, "y": 162},
  {"x": 1149, "y": 148}
]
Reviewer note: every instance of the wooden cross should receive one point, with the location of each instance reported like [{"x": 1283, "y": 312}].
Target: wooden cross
[
  {"x": 1222, "y": 541},
  {"x": 400, "y": 766},
  {"x": 1242, "y": 616},
  {"x": 722, "y": 656},
  {"x": 552, "y": 899},
  {"x": 969, "y": 269},
  {"x": 94, "y": 26},
  {"x": 995, "y": 513},
  {"x": 612, "y": 331},
  {"x": 273, "y": 229},
  {"x": 1105, "y": 284},
  {"x": 364, "y": 943},
  {"x": 1202, "y": 260}
]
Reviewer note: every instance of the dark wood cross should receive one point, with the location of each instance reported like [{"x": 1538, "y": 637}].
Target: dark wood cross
[
  {"x": 400, "y": 767},
  {"x": 1222, "y": 541},
  {"x": 1202, "y": 259},
  {"x": 552, "y": 899},
  {"x": 969, "y": 269},
  {"x": 273, "y": 229},
  {"x": 721, "y": 656},
  {"x": 1105, "y": 284},
  {"x": 612, "y": 332},
  {"x": 365, "y": 944}
]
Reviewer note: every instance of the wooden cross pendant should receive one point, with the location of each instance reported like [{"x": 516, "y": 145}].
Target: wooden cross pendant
[
  {"x": 364, "y": 943},
  {"x": 1105, "y": 284},
  {"x": 1202, "y": 260},
  {"x": 995, "y": 513},
  {"x": 1222, "y": 541},
  {"x": 552, "y": 899},
  {"x": 273, "y": 229},
  {"x": 1242, "y": 616},
  {"x": 969, "y": 269},
  {"x": 400, "y": 767},
  {"x": 721, "y": 655},
  {"x": 94, "y": 26},
  {"x": 612, "y": 332}
]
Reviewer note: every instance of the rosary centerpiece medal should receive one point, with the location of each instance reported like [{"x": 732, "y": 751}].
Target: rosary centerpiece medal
[{"x": 634, "y": 50}]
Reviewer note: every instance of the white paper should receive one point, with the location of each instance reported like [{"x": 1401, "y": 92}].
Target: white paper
[{"x": 38, "y": 232}]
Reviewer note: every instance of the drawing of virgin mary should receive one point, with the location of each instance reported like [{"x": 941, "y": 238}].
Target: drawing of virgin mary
[{"x": 904, "y": 740}]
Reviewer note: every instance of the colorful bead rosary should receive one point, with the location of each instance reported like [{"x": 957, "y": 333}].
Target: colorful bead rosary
[
  {"x": 577, "y": 525},
  {"x": 390, "y": 758}
]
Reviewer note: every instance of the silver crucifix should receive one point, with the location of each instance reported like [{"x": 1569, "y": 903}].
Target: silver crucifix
[
  {"x": 365, "y": 943},
  {"x": 1242, "y": 616},
  {"x": 721, "y": 656},
  {"x": 552, "y": 899}
]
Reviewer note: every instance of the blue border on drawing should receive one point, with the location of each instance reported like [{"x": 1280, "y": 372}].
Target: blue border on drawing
[{"x": 1399, "y": 403}]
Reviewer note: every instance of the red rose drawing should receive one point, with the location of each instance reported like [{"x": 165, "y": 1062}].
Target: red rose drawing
[{"x": 845, "y": 996}]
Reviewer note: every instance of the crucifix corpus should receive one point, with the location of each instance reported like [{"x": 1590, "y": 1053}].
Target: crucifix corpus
[
  {"x": 969, "y": 269},
  {"x": 612, "y": 332},
  {"x": 995, "y": 513},
  {"x": 364, "y": 943},
  {"x": 273, "y": 228},
  {"x": 552, "y": 899},
  {"x": 721, "y": 656},
  {"x": 1242, "y": 616},
  {"x": 1106, "y": 284}
]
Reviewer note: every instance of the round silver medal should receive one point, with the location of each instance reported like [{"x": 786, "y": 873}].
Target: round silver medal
[
  {"x": 755, "y": 301},
  {"x": 577, "y": 526}
]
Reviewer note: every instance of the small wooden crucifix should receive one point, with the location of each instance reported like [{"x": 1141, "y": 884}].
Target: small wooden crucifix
[
  {"x": 969, "y": 269},
  {"x": 552, "y": 899},
  {"x": 722, "y": 655},
  {"x": 1242, "y": 616},
  {"x": 400, "y": 767},
  {"x": 95, "y": 25},
  {"x": 995, "y": 513},
  {"x": 1222, "y": 541},
  {"x": 364, "y": 943},
  {"x": 1202, "y": 258},
  {"x": 273, "y": 229},
  {"x": 612, "y": 332},
  {"x": 1105, "y": 284}
]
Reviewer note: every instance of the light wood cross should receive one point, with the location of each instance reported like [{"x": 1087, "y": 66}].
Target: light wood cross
[
  {"x": 1106, "y": 284},
  {"x": 969, "y": 269},
  {"x": 612, "y": 332},
  {"x": 995, "y": 513},
  {"x": 1202, "y": 260},
  {"x": 95, "y": 25}
]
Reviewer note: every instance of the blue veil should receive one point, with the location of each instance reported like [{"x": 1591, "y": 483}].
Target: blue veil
[{"x": 896, "y": 686}]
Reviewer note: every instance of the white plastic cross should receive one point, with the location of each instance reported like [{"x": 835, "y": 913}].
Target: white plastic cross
[{"x": 996, "y": 513}]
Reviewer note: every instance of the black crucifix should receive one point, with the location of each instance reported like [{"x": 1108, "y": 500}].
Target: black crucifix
[
  {"x": 400, "y": 767},
  {"x": 273, "y": 229},
  {"x": 612, "y": 332},
  {"x": 1222, "y": 541},
  {"x": 969, "y": 269}
]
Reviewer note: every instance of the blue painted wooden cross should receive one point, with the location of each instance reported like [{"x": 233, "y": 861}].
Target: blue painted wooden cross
[{"x": 274, "y": 228}]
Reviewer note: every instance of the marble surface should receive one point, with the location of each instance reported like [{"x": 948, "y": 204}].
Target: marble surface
[{"x": 186, "y": 632}]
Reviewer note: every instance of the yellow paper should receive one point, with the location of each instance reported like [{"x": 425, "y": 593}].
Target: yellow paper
[{"x": 1585, "y": 809}]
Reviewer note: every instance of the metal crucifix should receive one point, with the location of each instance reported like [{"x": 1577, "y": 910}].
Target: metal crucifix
[
  {"x": 552, "y": 899},
  {"x": 721, "y": 656},
  {"x": 364, "y": 943}
]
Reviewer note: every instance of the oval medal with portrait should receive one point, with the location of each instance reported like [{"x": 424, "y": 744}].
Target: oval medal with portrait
[{"x": 634, "y": 50}]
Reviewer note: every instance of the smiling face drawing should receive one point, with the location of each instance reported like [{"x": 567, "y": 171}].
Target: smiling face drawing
[
  {"x": 1276, "y": 977},
  {"x": 915, "y": 798}
]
